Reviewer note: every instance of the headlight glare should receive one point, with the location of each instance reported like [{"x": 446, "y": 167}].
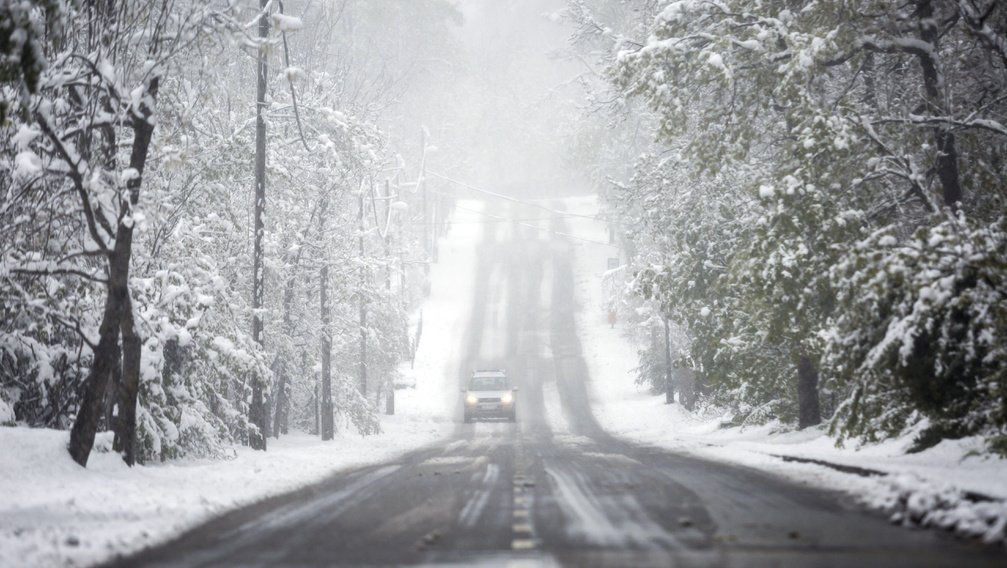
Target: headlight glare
[
  {"x": 507, "y": 398},
  {"x": 471, "y": 399}
]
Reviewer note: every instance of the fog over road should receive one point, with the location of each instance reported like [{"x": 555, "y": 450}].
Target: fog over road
[{"x": 552, "y": 489}]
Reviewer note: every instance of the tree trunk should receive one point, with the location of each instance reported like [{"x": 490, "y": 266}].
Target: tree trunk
[
  {"x": 258, "y": 416},
  {"x": 118, "y": 316},
  {"x": 125, "y": 431},
  {"x": 257, "y": 412},
  {"x": 282, "y": 400},
  {"x": 947, "y": 156},
  {"x": 279, "y": 419},
  {"x": 327, "y": 419},
  {"x": 111, "y": 408},
  {"x": 132, "y": 345},
  {"x": 106, "y": 357},
  {"x": 687, "y": 389},
  {"x": 691, "y": 389},
  {"x": 314, "y": 406},
  {"x": 870, "y": 91},
  {"x": 363, "y": 348},
  {"x": 809, "y": 411}
]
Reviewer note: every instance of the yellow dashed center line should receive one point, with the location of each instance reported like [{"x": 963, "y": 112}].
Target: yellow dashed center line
[{"x": 522, "y": 527}]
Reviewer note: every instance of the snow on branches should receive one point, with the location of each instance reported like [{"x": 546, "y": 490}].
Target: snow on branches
[{"x": 801, "y": 142}]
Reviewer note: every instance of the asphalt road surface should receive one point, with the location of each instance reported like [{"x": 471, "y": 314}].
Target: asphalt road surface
[{"x": 552, "y": 489}]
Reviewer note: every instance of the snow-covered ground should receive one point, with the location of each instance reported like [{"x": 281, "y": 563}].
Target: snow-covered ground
[
  {"x": 55, "y": 513},
  {"x": 937, "y": 487}
]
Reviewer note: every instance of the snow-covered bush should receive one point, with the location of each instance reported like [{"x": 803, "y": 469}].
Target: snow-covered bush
[
  {"x": 922, "y": 333},
  {"x": 40, "y": 370},
  {"x": 47, "y": 305},
  {"x": 197, "y": 362},
  {"x": 22, "y": 57}
]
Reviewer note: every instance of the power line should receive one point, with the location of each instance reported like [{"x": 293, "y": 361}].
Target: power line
[
  {"x": 509, "y": 198},
  {"x": 501, "y": 220},
  {"x": 537, "y": 227}
]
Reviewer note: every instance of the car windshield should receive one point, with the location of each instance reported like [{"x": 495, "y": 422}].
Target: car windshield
[{"x": 488, "y": 383}]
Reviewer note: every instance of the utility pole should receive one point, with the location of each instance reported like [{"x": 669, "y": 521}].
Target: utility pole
[
  {"x": 435, "y": 229},
  {"x": 426, "y": 217},
  {"x": 363, "y": 301},
  {"x": 389, "y": 271},
  {"x": 257, "y": 410},
  {"x": 400, "y": 244},
  {"x": 669, "y": 392},
  {"x": 327, "y": 428}
]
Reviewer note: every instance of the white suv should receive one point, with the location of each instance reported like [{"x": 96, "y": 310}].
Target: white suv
[{"x": 490, "y": 395}]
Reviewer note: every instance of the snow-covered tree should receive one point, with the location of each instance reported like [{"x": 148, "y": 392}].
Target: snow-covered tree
[
  {"x": 125, "y": 283},
  {"x": 24, "y": 26},
  {"x": 803, "y": 129},
  {"x": 100, "y": 87}
]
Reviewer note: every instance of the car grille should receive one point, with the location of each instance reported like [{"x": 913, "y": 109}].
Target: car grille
[{"x": 491, "y": 399}]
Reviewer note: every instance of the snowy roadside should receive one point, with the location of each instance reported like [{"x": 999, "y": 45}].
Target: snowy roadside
[
  {"x": 948, "y": 486},
  {"x": 54, "y": 513}
]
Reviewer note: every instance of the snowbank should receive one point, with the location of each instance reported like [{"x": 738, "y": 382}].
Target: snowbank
[{"x": 55, "y": 513}]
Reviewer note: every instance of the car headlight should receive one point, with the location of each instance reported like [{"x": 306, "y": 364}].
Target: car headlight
[
  {"x": 471, "y": 399},
  {"x": 507, "y": 398}
]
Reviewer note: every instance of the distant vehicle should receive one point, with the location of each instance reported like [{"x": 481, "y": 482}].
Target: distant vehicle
[{"x": 490, "y": 395}]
